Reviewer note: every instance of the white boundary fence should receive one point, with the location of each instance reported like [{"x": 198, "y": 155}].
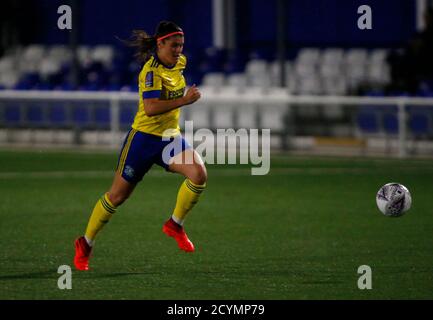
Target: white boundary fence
[{"x": 228, "y": 97}]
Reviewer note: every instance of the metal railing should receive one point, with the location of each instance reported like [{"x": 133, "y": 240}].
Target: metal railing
[{"x": 226, "y": 97}]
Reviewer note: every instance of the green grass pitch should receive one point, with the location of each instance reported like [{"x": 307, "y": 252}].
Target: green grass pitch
[{"x": 300, "y": 232}]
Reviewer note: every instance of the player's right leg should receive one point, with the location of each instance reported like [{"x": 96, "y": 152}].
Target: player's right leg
[
  {"x": 128, "y": 174},
  {"x": 101, "y": 214}
]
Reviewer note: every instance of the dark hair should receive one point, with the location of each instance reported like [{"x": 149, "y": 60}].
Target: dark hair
[{"x": 146, "y": 44}]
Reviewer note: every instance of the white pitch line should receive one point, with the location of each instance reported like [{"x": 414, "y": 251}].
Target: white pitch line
[{"x": 214, "y": 172}]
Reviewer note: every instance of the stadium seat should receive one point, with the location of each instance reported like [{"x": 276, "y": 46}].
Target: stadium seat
[
  {"x": 333, "y": 112},
  {"x": 378, "y": 74},
  {"x": 200, "y": 115},
  {"x": 59, "y": 54},
  {"x": 310, "y": 85},
  {"x": 103, "y": 54},
  {"x": 367, "y": 120},
  {"x": 214, "y": 79},
  {"x": 12, "y": 115},
  {"x": 332, "y": 56},
  {"x": 9, "y": 79},
  {"x": 390, "y": 122},
  {"x": 263, "y": 81},
  {"x": 275, "y": 72},
  {"x": 419, "y": 124},
  {"x": 84, "y": 56},
  {"x": 102, "y": 117},
  {"x": 223, "y": 116},
  {"x": 35, "y": 116},
  {"x": 378, "y": 55},
  {"x": 334, "y": 85},
  {"x": 355, "y": 56},
  {"x": 330, "y": 70},
  {"x": 257, "y": 73},
  {"x": 81, "y": 116},
  {"x": 7, "y": 64},
  {"x": 305, "y": 69},
  {"x": 237, "y": 80},
  {"x": 126, "y": 116},
  {"x": 48, "y": 67},
  {"x": 256, "y": 67},
  {"x": 273, "y": 117},
  {"x": 420, "y": 121},
  {"x": 58, "y": 117},
  {"x": 246, "y": 116},
  {"x": 355, "y": 65},
  {"x": 308, "y": 56}
]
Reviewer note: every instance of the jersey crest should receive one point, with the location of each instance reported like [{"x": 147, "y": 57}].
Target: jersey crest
[{"x": 149, "y": 79}]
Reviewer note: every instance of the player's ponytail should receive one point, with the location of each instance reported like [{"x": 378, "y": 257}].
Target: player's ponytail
[{"x": 145, "y": 44}]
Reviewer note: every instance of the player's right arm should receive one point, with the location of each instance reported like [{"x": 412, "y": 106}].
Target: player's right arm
[{"x": 155, "y": 106}]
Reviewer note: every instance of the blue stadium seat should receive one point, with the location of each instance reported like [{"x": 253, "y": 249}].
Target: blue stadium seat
[
  {"x": 64, "y": 87},
  {"x": 81, "y": 117},
  {"x": 102, "y": 117},
  {"x": 367, "y": 119},
  {"x": 35, "y": 116},
  {"x": 390, "y": 121},
  {"x": 126, "y": 117},
  {"x": 58, "y": 116},
  {"x": 419, "y": 124},
  {"x": 420, "y": 121},
  {"x": 42, "y": 86},
  {"x": 12, "y": 115},
  {"x": 113, "y": 87}
]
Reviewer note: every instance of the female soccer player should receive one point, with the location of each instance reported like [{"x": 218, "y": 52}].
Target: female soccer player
[{"x": 154, "y": 138}]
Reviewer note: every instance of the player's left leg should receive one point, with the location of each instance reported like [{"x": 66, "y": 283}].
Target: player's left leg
[{"x": 189, "y": 164}]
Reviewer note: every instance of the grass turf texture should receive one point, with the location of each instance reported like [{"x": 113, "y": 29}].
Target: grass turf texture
[{"x": 300, "y": 232}]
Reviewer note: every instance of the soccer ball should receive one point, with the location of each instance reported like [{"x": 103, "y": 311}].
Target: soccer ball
[{"x": 393, "y": 199}]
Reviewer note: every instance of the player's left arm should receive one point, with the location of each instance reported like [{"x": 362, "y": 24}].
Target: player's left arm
[{"x": 155, "y": 106}]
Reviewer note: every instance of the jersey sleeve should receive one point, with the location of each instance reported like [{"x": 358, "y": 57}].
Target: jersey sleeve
[{"x": 151, "y": 84}]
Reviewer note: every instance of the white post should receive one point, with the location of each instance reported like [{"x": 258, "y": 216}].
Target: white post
[
  {"x": 402, "y": 132},
  {"x": 218, "y": 23},
  {"x": 421, "y": 7}
]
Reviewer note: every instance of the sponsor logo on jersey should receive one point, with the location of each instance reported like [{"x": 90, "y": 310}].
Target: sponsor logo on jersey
[{"x": 175, "y": 94}]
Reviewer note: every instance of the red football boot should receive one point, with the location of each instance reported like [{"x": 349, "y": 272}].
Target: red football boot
[
  {"x": 82, "y": 254},
  {"x": 172, "y": 229}
]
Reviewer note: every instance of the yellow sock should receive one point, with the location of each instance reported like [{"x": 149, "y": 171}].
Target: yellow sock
[
  {"x": 187, "y": 197},
  {"x": 102, "y": 212}
]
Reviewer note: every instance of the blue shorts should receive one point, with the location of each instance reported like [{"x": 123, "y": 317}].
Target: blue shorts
[{"x": 141, "y": 150}]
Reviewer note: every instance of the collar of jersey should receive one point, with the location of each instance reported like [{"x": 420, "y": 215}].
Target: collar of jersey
[{"x": 155, "y": 56}]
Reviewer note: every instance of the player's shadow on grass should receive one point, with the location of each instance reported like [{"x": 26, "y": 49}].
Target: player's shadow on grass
[{"x": 49, "y": 274}]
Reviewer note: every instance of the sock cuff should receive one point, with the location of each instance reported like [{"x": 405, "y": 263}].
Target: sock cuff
[
  {"x": 196, "y": 188},
  {"x": 106, "y": 203}
]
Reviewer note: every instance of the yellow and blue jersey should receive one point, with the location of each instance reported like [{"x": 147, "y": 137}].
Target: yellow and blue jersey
[{"x": 166, "y": 83}]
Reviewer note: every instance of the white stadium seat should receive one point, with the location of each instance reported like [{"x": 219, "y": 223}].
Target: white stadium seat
[
  {"x": 103, "y": 54},
  {"x": 308, "y": 55},
  {"x": 214, "y": 79},
  {"x": 237, "y": 80}
]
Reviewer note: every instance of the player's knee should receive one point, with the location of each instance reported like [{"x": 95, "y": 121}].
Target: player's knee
[
  {"x": 117, "y": 198},
  {"x": 199, "y": 175}
]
